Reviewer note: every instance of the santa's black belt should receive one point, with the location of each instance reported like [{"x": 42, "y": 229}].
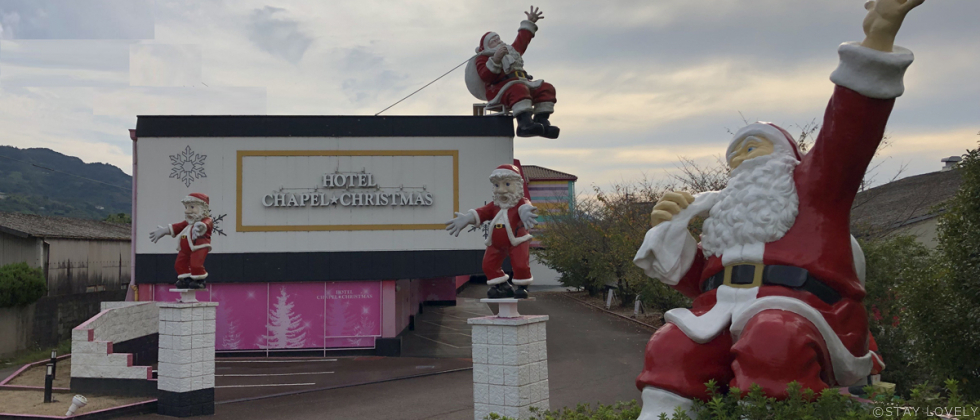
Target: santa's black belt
[
  {"x": 520, "y": 74},
  {"x": 755, "y": 275}
]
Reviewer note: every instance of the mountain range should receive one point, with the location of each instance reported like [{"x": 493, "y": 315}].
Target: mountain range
[{"x": 40, "y": 181}]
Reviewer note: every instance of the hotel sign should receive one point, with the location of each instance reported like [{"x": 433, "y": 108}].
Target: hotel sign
[{"x": 353, "y": 190}]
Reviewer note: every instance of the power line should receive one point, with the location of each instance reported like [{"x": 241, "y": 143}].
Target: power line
[
  {"x": 66, "y": 173},
  {"x": 423, "y": 87}
]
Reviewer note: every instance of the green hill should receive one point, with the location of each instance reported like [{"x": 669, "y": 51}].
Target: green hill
[{"x": 25, "y": 188}]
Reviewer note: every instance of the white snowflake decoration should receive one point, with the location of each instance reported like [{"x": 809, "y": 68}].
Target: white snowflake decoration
[{"x": 188, "y": 166}]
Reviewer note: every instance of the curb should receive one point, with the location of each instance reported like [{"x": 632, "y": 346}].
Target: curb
[{"x": 599, "y": 308}]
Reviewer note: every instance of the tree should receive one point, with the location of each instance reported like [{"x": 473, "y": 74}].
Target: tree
[
  {"x": 286, "y": 329},
  {"x": 123, "y": 218},
  {"x": 942, "y": 309},
  {"x": 21, "y": 285}
]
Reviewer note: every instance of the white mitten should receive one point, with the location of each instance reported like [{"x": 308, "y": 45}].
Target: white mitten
[
  {"x": 459, "y": 222},
  {"x": 159, "y": 233},
  {"x": 198, "y": 230},
  {"x": 529, "y": 215}
]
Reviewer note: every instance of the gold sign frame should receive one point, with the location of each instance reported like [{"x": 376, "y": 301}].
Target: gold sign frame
[{"x": 304, "y": 228}]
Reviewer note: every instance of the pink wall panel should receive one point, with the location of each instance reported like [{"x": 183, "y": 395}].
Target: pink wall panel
[{"x": 274, "y": 316}]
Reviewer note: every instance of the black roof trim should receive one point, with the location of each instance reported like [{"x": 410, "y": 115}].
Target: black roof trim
[{"x": 322, "y": 126}]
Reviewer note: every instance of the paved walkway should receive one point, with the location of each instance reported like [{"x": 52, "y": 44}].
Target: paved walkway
[{"x": 593, "y": 357}]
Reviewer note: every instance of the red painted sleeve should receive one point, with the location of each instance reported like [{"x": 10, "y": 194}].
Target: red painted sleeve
[
  {"x": 486, "y": 212},
  {"x": 523, "y": 39},
  {"x": 852, "y": 129},
  {"x": 485, "y": 74},
  {"x": 176, "y": 228},
  {"x": 690, "y": 284}
]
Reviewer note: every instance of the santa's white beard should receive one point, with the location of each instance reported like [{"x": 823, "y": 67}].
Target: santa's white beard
[
  {"x": 758, "y": 206},
  {"x": 507, "y": 200},
  {"x": 194, "y": 218},
  {"x": 512, "y": 61}
]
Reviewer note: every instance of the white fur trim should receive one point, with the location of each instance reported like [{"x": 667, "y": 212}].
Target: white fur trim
[
  {"x": 523, "y": 282},
  {"x": 476, "y": 217},
  {"x": 859, "y": 263},
  {"x": 779, "y": 141},
  {"x": 848, "y": 369},
  {"x": 872, "y": 73},
  {"x": 529, "y": 26},
  {"x": 544, "y": 107},
  {"x": 192, "y": 199},
  {"x": 201, "y": 277},
  {"x": 171, "y": 227},
  {"x": 532, "y": 84},
  {"x": 658, "y": 401},
  {"x": 503, "y": 218},
  {"x": 877, "y": 358},
  {"x": 505, "y": 174},
  {"x": 522, "y": 106},
  {"x": 184, "y": 276},
  {"x": 668, "y": 249},
  {"x": 704, "y": 328},
  {"x": 497, "y": 280},
  {"x": 744, "y": 254},
  {"x": 493, "y": 66}
]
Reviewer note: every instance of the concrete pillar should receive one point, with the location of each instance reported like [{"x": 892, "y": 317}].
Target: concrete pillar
[
  {"x": 510, "y": 366},
  {"x": 185, "y": 374}
]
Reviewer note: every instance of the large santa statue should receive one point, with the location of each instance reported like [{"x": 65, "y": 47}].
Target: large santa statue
[
  {"x": 511, "y": 216},
  {"x": 777, "y": 279},
  {"x": 496, "y": 75},
  {"x": 194, "y": 241}
]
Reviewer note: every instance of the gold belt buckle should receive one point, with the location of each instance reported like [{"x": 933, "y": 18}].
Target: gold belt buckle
[
  {"x": 521, "y": 74},
  {"x": 498, "y": 226},
  {"x": 756, "y": 277}
]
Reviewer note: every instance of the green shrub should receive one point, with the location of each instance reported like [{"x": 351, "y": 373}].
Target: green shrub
[
  {"x": 21, "y": 285},
  {"x": 925, "y": 403}
]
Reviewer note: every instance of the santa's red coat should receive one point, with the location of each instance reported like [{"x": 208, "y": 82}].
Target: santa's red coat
[
  {"x": 489, "y": 212},
  {"x": 203, "y": 241}
]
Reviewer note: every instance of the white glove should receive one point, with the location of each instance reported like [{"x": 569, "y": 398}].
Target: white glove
[
  {"x": 159, "y": 233},
  {"x": 198, "y": 230},
  {"x": 461, "y": 221},
  {"x": 529, "y": 215}
]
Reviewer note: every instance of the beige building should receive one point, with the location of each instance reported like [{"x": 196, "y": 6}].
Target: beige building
[
  {"x": 910, "y": 206},
  {"x": 84, "y": 262}
]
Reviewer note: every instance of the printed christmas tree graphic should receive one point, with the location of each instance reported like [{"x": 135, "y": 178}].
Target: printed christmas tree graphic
[
  {"x": 364, "y": 326},
  {"x": 232, "y": 339},
  {"x": 285, "y": 329}
]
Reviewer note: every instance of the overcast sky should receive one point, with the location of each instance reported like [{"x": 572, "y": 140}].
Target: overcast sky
[{"x": 640, "y": 83}]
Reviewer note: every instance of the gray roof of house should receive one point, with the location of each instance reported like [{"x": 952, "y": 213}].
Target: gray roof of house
[
  {"x": 27, "y": 225},
  {"x": 903, "y": 202}
]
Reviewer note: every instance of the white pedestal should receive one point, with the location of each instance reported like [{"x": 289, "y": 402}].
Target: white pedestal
[
  {"x": 185, "y": 374},
  {"x": 186, "y": 295},
  {"x": 506, "y": 307},
  {"x": 510, "y": 365}
]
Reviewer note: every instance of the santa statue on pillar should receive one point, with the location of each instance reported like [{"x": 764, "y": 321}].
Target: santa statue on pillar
[
  {"x": 496, "y": 75},
  {"x": 777, "y": 279},
  {"x": 194, "y": 241},
  {"x": 511, "y": 216}
]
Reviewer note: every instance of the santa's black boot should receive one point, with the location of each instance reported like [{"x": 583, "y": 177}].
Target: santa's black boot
[
  {"x": 526, "y": 127},
  {"x": 182, "y": 284},
  {"x": 521, "y": 292},
  {"x": 500, "y": 291},
  {"x": 197, "y": 284},
  {"x": 550, "y": 131}
]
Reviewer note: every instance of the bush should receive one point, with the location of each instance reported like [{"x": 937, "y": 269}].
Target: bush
[
  {"x": 21, "y": 285},
  {"x": 802, "y": 404},
  {"x": 893, "y": 264}
]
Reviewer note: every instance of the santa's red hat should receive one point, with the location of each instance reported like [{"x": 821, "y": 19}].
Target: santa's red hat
[
  {"x": 196, "y": 198},
  {"x": 782, "y": 140},
  {"x": 506, "y": 171},
  {"x": 483, "y": 41}
]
